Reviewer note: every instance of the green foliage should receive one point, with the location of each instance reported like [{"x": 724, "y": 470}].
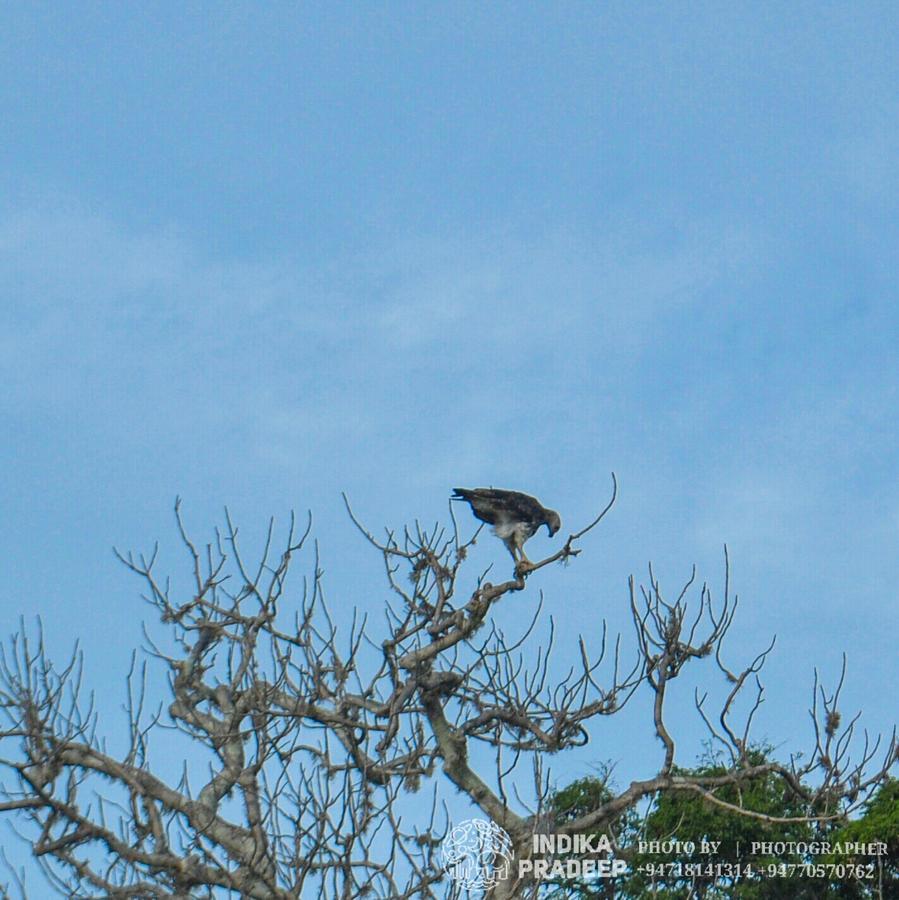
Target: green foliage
[
  {"x": 687, "y": 817},
  {"x": 580, "y": 797},
  {"x": 878, "y": 824},
  {"x": 880, "y": 821},
  {"x": 577, "y": 799}
]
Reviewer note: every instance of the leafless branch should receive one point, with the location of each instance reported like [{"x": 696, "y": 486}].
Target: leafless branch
[{"x": 306, "y": 736}]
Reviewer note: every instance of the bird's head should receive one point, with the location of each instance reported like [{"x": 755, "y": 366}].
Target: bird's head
[{"x": 553, "y": 522}]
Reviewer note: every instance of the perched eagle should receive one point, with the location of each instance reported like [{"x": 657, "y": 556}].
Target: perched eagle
[{"x": 515, "y": 517}]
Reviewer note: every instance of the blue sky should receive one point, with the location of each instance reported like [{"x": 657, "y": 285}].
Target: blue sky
[{"x": 257, "y": 255}]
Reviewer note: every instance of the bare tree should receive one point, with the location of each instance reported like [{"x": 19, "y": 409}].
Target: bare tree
[{"x": 318, "y": 749}]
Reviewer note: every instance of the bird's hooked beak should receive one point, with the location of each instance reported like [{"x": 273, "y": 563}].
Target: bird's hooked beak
[{"x": 553, "y": 524}]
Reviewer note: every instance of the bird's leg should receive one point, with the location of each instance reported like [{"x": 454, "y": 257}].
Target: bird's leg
[{"x": 522, "y": 565}]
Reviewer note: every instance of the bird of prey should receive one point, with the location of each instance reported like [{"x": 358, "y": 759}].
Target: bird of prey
[{"x": 515, "y": 517}]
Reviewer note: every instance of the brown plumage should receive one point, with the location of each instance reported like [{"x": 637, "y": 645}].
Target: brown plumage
[{"x": 515, "y": 517}]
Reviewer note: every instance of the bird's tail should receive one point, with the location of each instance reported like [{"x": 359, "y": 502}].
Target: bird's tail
[{"x": 461, "y": 494}]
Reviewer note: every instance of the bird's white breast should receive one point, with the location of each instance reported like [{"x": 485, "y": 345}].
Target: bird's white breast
[{"x": 505, "y": 530}]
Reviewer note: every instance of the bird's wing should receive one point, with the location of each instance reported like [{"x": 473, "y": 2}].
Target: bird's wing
[
  {"x": 524, "y": 507},
  {"x": 482, "y": 503},
  {"x": 495, "y": 504}
]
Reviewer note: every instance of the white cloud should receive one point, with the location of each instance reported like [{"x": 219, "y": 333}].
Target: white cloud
[{"x": 390, "y": 350}]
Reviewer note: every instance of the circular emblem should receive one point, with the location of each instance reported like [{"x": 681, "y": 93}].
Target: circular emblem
[{"x": 477, "y": 853}]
